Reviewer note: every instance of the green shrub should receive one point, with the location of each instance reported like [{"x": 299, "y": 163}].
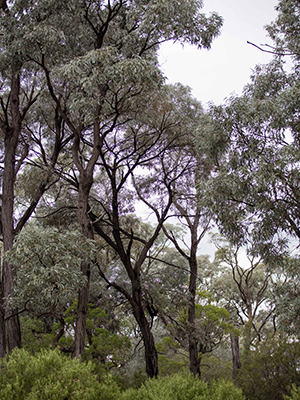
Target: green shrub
[
  {"x": 295, "y": 393},
  {"x": 270, "y": 370},
  {"x": 49, "y": 375},
  {"x": 184, "y": 387}
]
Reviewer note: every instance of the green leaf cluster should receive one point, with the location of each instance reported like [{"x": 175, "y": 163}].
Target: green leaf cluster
[
  {"x": 47, "y": 266},
  {"x": 184, "y": 387},
  {"x": 49, "y": 375}
]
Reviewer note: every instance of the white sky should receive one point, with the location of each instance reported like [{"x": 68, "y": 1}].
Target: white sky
[{"x": 213, "y": 75}]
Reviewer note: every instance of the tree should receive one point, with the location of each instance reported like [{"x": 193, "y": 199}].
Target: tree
[
  {"x": 258, "y": 171},
  {"x": 21, "y": 91},
  {"x": 249, "y": 294},
  {"x": 188, "y": 206},
  {"x": 142, "y": 147}
]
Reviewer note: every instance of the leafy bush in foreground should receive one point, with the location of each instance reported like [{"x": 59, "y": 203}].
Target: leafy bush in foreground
[
  {"x": 184, "y": 387},
  {"x": 49, "y": 375},
  {"x": 270, "y": 371},
  {"x": 295, "y": 393}
]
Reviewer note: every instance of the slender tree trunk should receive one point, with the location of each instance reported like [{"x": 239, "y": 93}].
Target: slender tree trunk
[
  {"x": 193, "y": 343},
  {"x": 2, "y": 324},
  {"x": 11, "y": 139},
  {"x": 82, "y": 310},
  {"x": 235, "y": 350},
  {"x": 83, "y": 297}
]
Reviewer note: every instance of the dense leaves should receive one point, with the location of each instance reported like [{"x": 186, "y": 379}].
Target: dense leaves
[{"x": 47, "y": 265}]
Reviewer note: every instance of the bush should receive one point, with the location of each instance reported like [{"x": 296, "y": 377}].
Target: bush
[
  {"x": 295, "y": 394},
  {"x": 270, "y": 370},
  {"x": 184, "y": 387},
  {"x": 49, "y": 375}
]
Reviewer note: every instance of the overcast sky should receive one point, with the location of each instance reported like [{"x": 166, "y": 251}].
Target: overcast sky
[{"x": 213, "y": 75}]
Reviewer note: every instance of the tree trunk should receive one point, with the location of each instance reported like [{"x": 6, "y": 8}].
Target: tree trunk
[
  {"x": 248, "y": 332},
  {"x": 144, "y": 326},
  {"x": 193, "y": 343},
  {"x": 148, "y": 340},
  {"x": 83, "y": 297},
  {"x": 235, "y": 349},
  {"x": 82, "y": 310},
  {"x": 2, "y": 324},
  {"x": 11, "y": 139}
]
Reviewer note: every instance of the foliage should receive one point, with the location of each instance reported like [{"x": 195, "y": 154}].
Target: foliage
[
  {"x": 184, "y": 387},
  {"x": 211, "y": 324},
  {"x": 47, "y": 264},
  {"x": 50, "y": 375},
  {"x": 269, "y": 371},
  {"x": 286, "y": 295},
  {"x": 106, "y": 343},
  {"x": 37, "y": 333},
  {"x": 244, "y": 286},
  {"x": 295, "y": 393},
  {"x": 171, "y": 359}
]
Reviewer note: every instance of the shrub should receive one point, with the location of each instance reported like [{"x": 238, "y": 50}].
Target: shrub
[
  {"x": 49, "y": 375},
  {"x": 295, "y": 393},
  {"x": 184, "y": 387},
  {"x": 270, "y": 370}
]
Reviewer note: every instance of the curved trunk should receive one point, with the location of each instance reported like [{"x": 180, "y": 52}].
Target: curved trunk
[
  {"x": 148, "y": 340},
  {"x": 147, "y": 336}
]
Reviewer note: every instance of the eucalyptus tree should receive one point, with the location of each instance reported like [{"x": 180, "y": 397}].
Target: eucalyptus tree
[
  {"x": 23, "y": 137},
  {"x": 249, "y": 295},
  {"x": 134, "y": 165},
  {"x": 187, "y": 206}
]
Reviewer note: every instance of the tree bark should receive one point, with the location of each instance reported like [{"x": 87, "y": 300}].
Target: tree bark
[
  {"x": 147, "y": 336},
  {"x": 193, "y": 343},
  {"x": 2, "y": 324},
  {"x": 235, "y": 349},
  {"x": 11, "y": 140},
  {"x": 85, "y": 183}
]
